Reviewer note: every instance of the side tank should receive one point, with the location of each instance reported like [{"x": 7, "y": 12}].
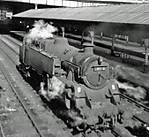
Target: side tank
[{"x": 44, "y": 55}]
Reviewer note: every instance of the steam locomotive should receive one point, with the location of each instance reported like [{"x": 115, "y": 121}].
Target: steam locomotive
[{"x": 80, "y": 80}]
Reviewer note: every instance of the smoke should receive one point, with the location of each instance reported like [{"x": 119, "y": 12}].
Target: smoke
[
  {"x": 135, "y": 32},
  {"x": 107, "y": 29},
  {"x": 55, "y": 96},
  {"x": 57, "y": 88},
  {"x": 131, "y": 82},
  {"x": 41, "y": 30},
  {"x": 138, "y": 93}
]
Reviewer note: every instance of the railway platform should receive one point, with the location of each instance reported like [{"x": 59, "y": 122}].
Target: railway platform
[{"x": 130, "y": 48}]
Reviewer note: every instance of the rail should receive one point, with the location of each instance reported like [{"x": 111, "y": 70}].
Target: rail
[
  {"x": 134, "y": 101},
  {"x": 1, "y": 131},
  {"x": 34, "y": 123},
  {"x": 7, "y": 43},
  {"x": 15, "y": 90}
]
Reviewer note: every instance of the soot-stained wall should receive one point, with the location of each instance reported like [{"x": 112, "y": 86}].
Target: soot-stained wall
[
  {"x": 135, "y": 32},
  {"x": 7, "y": 9}
]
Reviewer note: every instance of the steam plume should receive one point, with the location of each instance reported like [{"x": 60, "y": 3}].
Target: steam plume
[
  {"x": 41, "y": 30},
  {"x": 138, "y": 93},
  {"x": 132, "y": 82},
  {"x": 57, "y": 88}
]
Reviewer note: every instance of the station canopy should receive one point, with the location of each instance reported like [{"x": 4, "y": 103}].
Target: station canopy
[{"x": 126, "y": 13}]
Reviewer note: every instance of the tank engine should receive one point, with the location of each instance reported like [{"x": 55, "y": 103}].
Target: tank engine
[
  {"x": 77, "y": 77},
  {"x": 82, "y": 65}
]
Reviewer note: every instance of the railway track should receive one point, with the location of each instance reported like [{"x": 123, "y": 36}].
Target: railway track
[
  {"x": 16, "y": 91},
  {"x": 60, "y": 126},
  {"x": 7, "y": 40},
  {"x": 129, "y": 99},
  {"x": 142, "y": 117},
  {"x": 137, "y": 103}
]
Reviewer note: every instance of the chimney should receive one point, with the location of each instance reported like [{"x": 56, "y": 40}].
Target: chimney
[
  {"x": 92, "y": 36},
  {"x": 88, "y": 46}
]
